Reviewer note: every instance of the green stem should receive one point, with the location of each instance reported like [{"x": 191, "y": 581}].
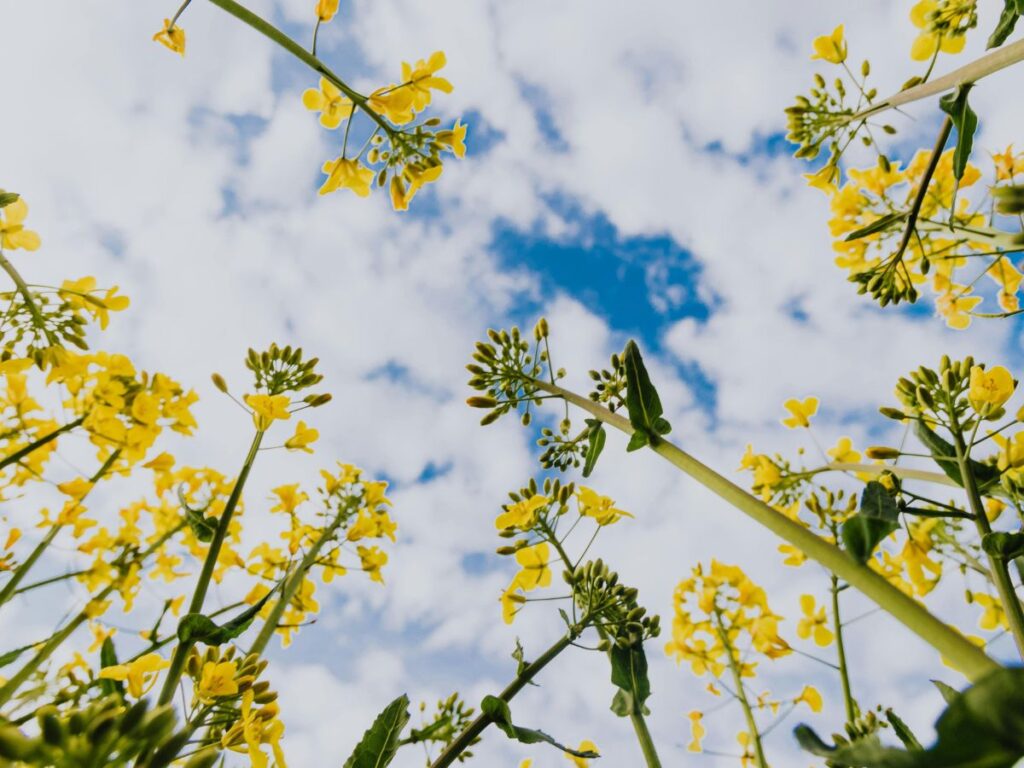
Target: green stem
[
  {"x": 990, "y": 63},
  {"x": 294, "y": 582},
  {"x": 269, "y": 30},
  {"x": 907, "y": 473},
  {"x": 961, "y": 653},
  {"x": 999, "y": 568},
  {"x": 475, "y": 728},
  {"x": 26, "y": 294},
  {"x": 177, "y": 667},
  {"x": 21, "y": 453},
  {"x": 52, "y": 580},
  {"x": 741, "y": 693},
  {"x": 844, "y": 672}
]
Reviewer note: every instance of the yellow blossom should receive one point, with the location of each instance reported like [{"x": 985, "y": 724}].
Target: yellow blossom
[
  {"x": 453, "y": 138},
  {"x": 521, "y": 514},
  {"x": 601, "y": 508},
  {"x": 140, "y": 675},
  {"x": 831, "y": 48},
  {"x": 217, "y": 679},
  {"x": 267, "y": 408},
  {"x": 346, "y": 173},
  {"x": 843, "y": 452},
  {"x": 810, "y": 696},
  {"x": 801, "y": 412},
  {"x": 326, "y": 9},
  {"x": 372, "y": 560},
  {"x": 989, "y": 388},
  {"x": 13, "y": 234},
  {"x": 814, "y": 622},
  {"x": 511, "y": 600},
  {"x": 304, "y": 437},
  {"x": 697, "y": 730},
  {"x": 824, "y": 179},
  {"x": 329, "y": 102},
  {"x": 993, "y": 617},
  {"x": 931, "y": 39},
  {"x": 171, "y": 36},
  {"x": 419, "y": 79},
  {"x": 534, "y": 562}
]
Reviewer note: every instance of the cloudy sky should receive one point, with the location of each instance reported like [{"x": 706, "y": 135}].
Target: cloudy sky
[{"x": 626, "y": 176}]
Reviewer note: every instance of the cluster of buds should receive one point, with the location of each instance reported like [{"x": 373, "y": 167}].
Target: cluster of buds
[
  {"x": 280, "y": 370},
  {"x": 538, "y": 503},
  {"x": 450, "y": 718},
  {"x": 610, "y": 384},
  {"x": 613, "y": 606},
  {"x": 104, "y": 732},
  {"x": 561, "y": 450},
  {"x": 888, "y": 282},
  {"x": 503, "y": 368},
  {"x": 36, "y": 330},
  {"x": 941, "y": 394}
]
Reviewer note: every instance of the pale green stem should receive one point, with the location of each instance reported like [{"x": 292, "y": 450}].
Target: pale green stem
[
  {"x": 35, "y": 445},
  {"x": 961, "y": 653},
  {"x": 906, "y": 473},
  {"x": 741, "y": 693},
  {"x": 844, "y": 672}
]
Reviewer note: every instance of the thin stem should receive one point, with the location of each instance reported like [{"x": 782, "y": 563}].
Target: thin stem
[
  {"x": 26, "y": 294},
  {"x": 475, "y": 728},
  {"x": 741, "y": 693},
  {"x": 52, "y": 580},
  {"x": 922, "y": 190},
  {"x": 21, "y": 453},
  {"x": 903, "y": 472},
  {"x": 961, "y": 653},
  {"x": 177, "y": 667},
  {"x": 844, "y": 672}
]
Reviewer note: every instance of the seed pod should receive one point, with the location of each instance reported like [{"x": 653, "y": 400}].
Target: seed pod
[{"x": 882, "y": 452}]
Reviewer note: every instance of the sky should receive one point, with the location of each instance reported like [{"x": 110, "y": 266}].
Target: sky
[{"x": 626, "y": 177}]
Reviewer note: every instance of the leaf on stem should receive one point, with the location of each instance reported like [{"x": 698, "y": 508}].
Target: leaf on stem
[
  {"x": 108, "y": 658},
  {"x": 6, "y": 198},
  {"x": 878, "y": 225},
  {"x": 501, "y": 715},
  {"x": 1012, "y": 10},
  {"x": 966, "y": 122},
  {"x": 642, "y": 401},
  {"x": 629, "y": 674},
  {"x": 877, "y": 518},
  {"x": 380, "y": 742},
  {"x": 596, "y": 438},
  {"x": 944, "y": 454},
  {"x": 198, "y": 628}
]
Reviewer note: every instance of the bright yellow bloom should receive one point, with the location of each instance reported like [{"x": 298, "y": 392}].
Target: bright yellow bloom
[
  {"x": 955, "y": 305},
  {"x": 814, "y": 622},
  {"x": 949, "y": 39},
  {"x": 511, "y": 600},
  {"x": 990, "y": 388},
  {"x": 140, "y": 675},
  {"x": 810, "y": 696},
  {"x": 585, "y": 746},
  {"x": 831, "y": 48},
  {"x": 267, "y": 408},
  {"x": 255, "y": 727},
  {"x": 419, "y": 79},
  {"x": 801, "y": 412},
  {"x": 454, "y": 139},
  {"x": 217, "y": 679},
  {"x": 824, "y": 179},
  {"x": 535, "y": 571},
  {"x": 328, "y": 101},
  {"x": 1007, "y": 164},
  {"x": 304, "y": 437},
  {"x": 522, "y": 514},
  {"x": 401, "y": 195},
  {"x": 172, "y": 37},
  {"x": 81, "y": 294},
  {"x": 601, "y": 508},
  {"x": 325, "y": 10},
  {"x": 346, "y": 173},
  {"x": 77, "y": 489},
  {"x": 373, "y": 559},
  {"x": 13, "y": 234},
  {"x": 843, "y": 453},
  {"x": 697, "y": 730},
  {"x": 12, "y": 537},
  {"x": 994, "y": 617}
]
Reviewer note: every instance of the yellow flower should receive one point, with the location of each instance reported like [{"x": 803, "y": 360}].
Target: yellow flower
[
  {"x": 13, "y": 234},
  {"x": 585, "y": 746},
  {"x": 1007, "y": 164},
  {"x": 140, "y": 675},
  {"x": 843, "y": 453},
  {"x": 697, "y": 730},
  {"x": 535, "y": 571},
  {"x": 831, "y": 48},
  {"x": 325, "y": 10},
  {"x": 511, "y": 601},
  {"x": 948, "y": 38},
  {"x": 989, "y": 388},
  {"x": 419, "y": 79},
  {"x": 801, "y": 412},
  {"x": 454, "y": 139},
  {"x": 955, "y": 305},
  {"x": 813, "y": 622},
  {"x": 345, "y": 173},
  {"x": 304, "y": 437},
  {"x": 824, "y": 179},
  {"x": 12, "y": 537},
  {"x": 77, "y": 489},
  {"x": 810, "y": 696},
  {"x": 255, "y": 727},
  {"x": 401, "y": 195},
  {"x": 522, "y": 514},
  {"x": 267, "y": 408},
  {"x": 217, "y": 679},
  {"x": 328, "y": 101},
  {"x": 994, "y": 617},
  {"x": 372, "y": 560},
  {"x": 171, "y": 36},
  {"x": 601, "y": 508}
]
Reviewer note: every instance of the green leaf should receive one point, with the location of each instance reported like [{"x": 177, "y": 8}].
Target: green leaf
[
  {"x": 108, "y": 658},
  {"x": 949, "y": 693},
  {"x": 955, "y": 105},
  {"x": 12, "y": 656},
  {"x": 6, "y": 198},
  {"x": 197, "y": 628},
  {"x": 902, "y": 731},
  {"x": 862, "y": 534},
  {"x": 629, "y": 674},
  {"x": 983, "y": 727},
  {"x": 595, "y": 446},
  {"x": 1012, "y": 10},
  {"x": 379, "y": 744},
  {"x": 637, "y": 441},
  {"x": 501, "y": 715},
  {"x": 878, "y": 225},
  {"x": 877, "y": 502},
  {"x": 1005, "y": 546},
  {"x": 985, "y": 475},
  {"x": 642, "y": 400},
  {"x": 202, "y": 527}
]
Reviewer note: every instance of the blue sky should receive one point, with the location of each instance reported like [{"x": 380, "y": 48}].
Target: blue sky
[{"x": 626, "y": 177}]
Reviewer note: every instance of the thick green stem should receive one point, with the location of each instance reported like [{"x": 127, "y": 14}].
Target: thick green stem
[
  {"x": 177, "y": 667},
  {"x": 741, "y": 693},
  {"x": 35, "y": 445},
  {"x": 844, "y": 671},
  {"x": 990, "y": 63},
  {"x": 475, "y": 728},
  {"x": 961, "y": 653},
  {"x": 999, "y": 568}
]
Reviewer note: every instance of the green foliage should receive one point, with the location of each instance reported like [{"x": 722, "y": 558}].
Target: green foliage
[
  {"x": 6, "y": 198},
  {"x": 629, "y": 675},
  {"x": 1012, "y": 10},
  {"x": 642, "y": 401},
  {"x": 380, "y": 743},
  {"x": 966, "y": 122},
  {"x": 1005, "y": 546},
  {"x": 108, "y": 658},
  {"x": 878, "y": 225},
  {"x": 983, "y": 727},
  {"x": 197, "y": 628},
  {"x": 877, "y": 518},
  {"x": 501, "y": 715},
  {"x": 944, "y": 454},
  {"x": 595, "y": 445}
]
